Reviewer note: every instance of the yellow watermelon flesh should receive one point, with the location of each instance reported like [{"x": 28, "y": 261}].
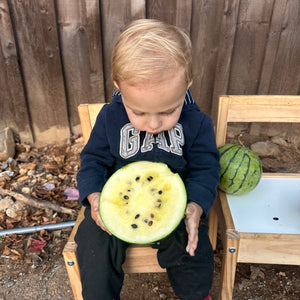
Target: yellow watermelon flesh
[{"x": 143, "y": 202}]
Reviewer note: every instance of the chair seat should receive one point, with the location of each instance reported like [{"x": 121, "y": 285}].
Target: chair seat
[{"x": 272, "y": 207}]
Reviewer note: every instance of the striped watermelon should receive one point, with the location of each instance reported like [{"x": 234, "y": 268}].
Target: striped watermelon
[{"x": 241, "y": 169}]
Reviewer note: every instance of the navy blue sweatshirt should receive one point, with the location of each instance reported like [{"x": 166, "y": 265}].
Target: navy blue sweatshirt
[{"x": 189, "y": 149}]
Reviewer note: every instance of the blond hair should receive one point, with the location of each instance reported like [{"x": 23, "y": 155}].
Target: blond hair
[{"x": 149, "y": 49}]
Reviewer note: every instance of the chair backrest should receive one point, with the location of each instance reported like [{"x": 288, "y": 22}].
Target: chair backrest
[
  {"x": 88, "y": 114},
  {"x": 255, "y": 109}
]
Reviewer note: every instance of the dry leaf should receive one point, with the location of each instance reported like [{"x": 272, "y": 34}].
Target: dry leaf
[
  {"x": 6, "y": 251},
  {"x": 37, "y": 245}
]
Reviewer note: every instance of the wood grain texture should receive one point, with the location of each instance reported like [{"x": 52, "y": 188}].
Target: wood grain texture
[
  {"x": 253, "y": 247},
  {"x": 55, "y": 55},
  {"x": 206, "y": 21},
  {"x": 80, "y": 39},
  {"x": 35, "y": 26},
  {"x": 251, "y": 36},
  {"x": 225, "y": 51},
  {"x": 115, "y": 15},
  {"x": 13, "y": 106}
]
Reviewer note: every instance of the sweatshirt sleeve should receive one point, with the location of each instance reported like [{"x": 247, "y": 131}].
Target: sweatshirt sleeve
[
  {"x": 203, "y": 165},
  {"x": 96, "y": 159}
]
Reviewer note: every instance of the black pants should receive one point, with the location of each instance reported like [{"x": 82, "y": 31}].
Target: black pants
[{"x": 101, "y": 256}]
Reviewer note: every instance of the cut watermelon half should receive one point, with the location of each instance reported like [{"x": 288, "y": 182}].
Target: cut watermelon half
[{"x": 143, "y": 202}]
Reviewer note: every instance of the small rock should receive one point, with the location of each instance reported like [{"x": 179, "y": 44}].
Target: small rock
[
  {"x": 7, "y": 144},
  {"x": 31, "y": 173},
  {"x": 10, "y": 283},
  {"x": 26, "y": 190},
  {"x": 265, "y": 148},
  {"x": 279, "y": 141},
  {"x": 11, "y": 213},
  {"x": 5, "y": 203},
  {"x": 18, "y": 205}
]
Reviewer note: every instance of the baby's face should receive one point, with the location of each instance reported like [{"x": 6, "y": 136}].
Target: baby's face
[{"x": 154, "y": 107}]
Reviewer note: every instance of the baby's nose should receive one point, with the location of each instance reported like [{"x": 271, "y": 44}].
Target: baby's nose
[{"x": 154, "y": 123}]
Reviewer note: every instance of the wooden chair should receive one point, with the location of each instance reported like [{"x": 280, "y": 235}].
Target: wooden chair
[
  {"x": 139, "y": 258},
  {"x": 262, "y": 226}
]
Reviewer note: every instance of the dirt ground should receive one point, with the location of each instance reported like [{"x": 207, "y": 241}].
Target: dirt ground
[{"x": 32, "y": 267}]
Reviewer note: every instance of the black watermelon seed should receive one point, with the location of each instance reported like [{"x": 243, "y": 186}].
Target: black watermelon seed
[
  {"x": 128, "y": 190},
  {"x": 158, "y": 200},
  {"x": 146, "y": 221},
  {"x": 137, "y": 216},
  {"x": 150, "y": 223},
  {"x": 152, "y": 216},
  {"x": 134, "y": 226},
  {"x": 137, "y": 178},
  {"x": 160, "y": 192},
  {"x": 149, "y": 178},
  {"x": 126, "y": 197}
]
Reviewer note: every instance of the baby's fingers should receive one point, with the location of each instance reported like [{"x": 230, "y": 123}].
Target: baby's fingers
[{"x": 192, "y": 242}]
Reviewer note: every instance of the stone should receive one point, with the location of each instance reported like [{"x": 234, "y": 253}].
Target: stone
[
  {"x": 11, "y": 213},
  {"x": 265, "y": 148},
  {"x": 7, "y": 144},
  {"x": 6, "y": 203},
  {"x": 279, "y": 141}
]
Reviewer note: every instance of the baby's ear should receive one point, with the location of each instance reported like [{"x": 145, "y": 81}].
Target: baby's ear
[{"x": 116, "y": 85}]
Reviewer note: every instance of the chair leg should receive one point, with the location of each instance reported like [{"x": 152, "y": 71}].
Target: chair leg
[
  {"x": 213, "y": 227},
  {"x": 72, "y": 267},
  {"x": 228, "y": 269}
]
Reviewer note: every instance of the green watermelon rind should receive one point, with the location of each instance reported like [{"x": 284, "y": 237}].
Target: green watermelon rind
[
  {"x": 241, "y": 169},
  {"x": 139, "y": 164}
]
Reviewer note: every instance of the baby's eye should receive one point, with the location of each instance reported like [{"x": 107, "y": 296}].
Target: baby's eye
[
  {"x": 138, "y": 113},
  {"x": 167, "y": 113}
]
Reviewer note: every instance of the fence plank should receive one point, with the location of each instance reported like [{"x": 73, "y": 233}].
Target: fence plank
[
  {"x": 38, "y": 44},
  {"x": 206, "y": 20},
  {"x": 175, "y": 12},
  {"x": 272, "y": 46},
  {"x": 239, "y": 47},
  {"x": 115, "y": 15},
  {"x": 286, "y": 70},
  {"x": 80, "y": 37},
  {"x": 225, "y": 49},
  {"x": 250, "y": 43},
  {"x": 13, "y": 108}
]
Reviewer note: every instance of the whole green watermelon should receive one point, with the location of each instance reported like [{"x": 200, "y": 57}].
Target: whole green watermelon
[{"x": 241, "y": 169}]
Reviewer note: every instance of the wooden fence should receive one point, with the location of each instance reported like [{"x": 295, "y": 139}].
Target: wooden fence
[{"x": 55, "y": 54}]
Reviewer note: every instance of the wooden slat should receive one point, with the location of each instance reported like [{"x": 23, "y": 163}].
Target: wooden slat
[
  {"x": 205, "y": 29},
  {"x": 80, "y": 36},
  {"x": 72, "y": 267},
  {"x": 272, "y": 46},
  {"x": 172, "y": 12},
  {"x": 229, "y": 268},
  {"x": 35, "y": 27},
  {"x": 94, "y": 111},
  {"x": 264, "y": 109},
  {"x": 286, "y": 67},
  {"x": 13, "y": 107},
  {"x": 141, "y": 259},
  {"x": 269, "y": 248},
  {"x": 86, "y": 126},
  {"x": 252, "y": 30},
  {"x": 115, "y": 15},
  {"x": 226, "y": 211},
  {"x": 225, "y": 52}
]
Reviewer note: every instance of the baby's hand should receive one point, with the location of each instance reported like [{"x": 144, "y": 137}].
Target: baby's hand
[
  {"x": 192, "y": 219},
  {"x": 94, "y": 202}
]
